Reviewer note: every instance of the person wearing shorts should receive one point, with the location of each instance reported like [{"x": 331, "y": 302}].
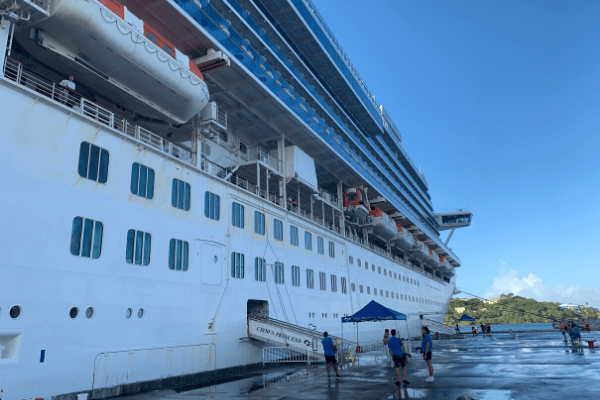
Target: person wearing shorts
[
  {"x": 329, "y": 350},
  {"x": 426, "y": 349},
  {"x": 396, "y": 349},
  {"x": 563, "y": 330}
]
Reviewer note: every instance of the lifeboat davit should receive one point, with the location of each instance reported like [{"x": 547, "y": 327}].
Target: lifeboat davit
[
  {"x": 420, "y": 251},
  {"x": 385, "y": 227},
  {"x": 433, "y": 260},
  {"x": 404, "y": 240},
  {"x": 108, "y": 39},
  {"x": 354, "y": 205}
]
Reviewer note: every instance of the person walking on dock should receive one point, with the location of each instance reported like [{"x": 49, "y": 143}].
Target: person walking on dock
[
  {"x": 489, "y": 329},
  {"x": 426, "y": 349},
  {"x": 396, "y": 350},
  {"x": 482, "y": 329},
  {"x": 329, "y": 349},
  {"x": 563, "y": 330},
  {"x": 457, "y": 329},
  {"x": 474, "y": 331},
  {"x": 386, "y": 336}
]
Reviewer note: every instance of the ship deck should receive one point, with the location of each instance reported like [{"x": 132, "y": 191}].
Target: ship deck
[{"x": 505, "y": 366}]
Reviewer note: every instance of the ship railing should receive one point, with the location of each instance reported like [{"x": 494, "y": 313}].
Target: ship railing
[
  {"x": 240, "y": 182},
  {"x": 43, "y": 4},
  {"x": 258, "y": 154},
  {"x": 15, "y": 71},
  {"x": 328, "y": 197}
]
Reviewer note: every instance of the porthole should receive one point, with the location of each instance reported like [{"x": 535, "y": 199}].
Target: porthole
[
  {"x": 128, "y": 313},
  {"x": 15, "y": 312},
  {"x": 74, "y": 312},
  {"x": 141, "y": 313},
  {"x": 89, "y": 313}
]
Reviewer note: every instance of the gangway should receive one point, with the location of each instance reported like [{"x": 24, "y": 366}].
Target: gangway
[
  {"x": 435, "y": 326},
  {"x": 284, "y": 334}
]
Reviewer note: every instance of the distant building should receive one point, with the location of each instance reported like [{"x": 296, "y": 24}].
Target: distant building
[
  {"x": 492, "y": 301},
  {"x": 459, "y": 309},
  {"x": 570, "y": 305}
]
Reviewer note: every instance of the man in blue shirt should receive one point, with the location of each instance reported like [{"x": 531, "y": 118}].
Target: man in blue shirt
[
  {"x": 329, "y": 349},
  {"x": 426, "y": 349},
  {"x": 396, "y": 349}
]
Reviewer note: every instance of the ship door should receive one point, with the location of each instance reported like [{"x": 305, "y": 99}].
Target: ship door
[
  {"x": 211, "y": 263},
  {"x": 258, "y": 308}
]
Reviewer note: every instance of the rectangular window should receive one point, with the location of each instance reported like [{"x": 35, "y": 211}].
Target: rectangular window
[
  {"x": 86, "y": 237},
  {"x": 331, "y": 249},
  {"x": 212, "y": 206},
  {"x": 151, "y": 37},
  {"x": 260, "y": 269},
  {"x": 294, "y": 235},
  {"x": 320, "y": 246},
  {"x": 179, "y": 251},
  {"x": 237, "y": 215},
  {"x": 237, "y": 265},
  {"x": 375, "y": 291},
  {"x": 93, "y": 162},
  {"x": 310, "y": 279},
  {"x": 322, "y": 281},
  {"x": 259, "y": 223},
  {"x": 360, "y": 288},
  {"x": 279, "y": 273},
  {"x": 138, "y": 247},
  {"x": 368, "y": 290},
  {"x": 308, "y": 241},
  {"x": 333, "y": 283},
  {"x": 278, "y": 229},
  {"x": 295, "y": 275},
  {"x": 142, "y": 181},
  {"x": 180, "y": 195},
  {"x": 344, "y": 288}
]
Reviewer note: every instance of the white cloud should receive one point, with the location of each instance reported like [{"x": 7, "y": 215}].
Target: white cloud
[{"x": 531, "y": 286}]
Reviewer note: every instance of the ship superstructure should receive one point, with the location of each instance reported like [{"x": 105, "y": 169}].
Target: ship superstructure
[{"x": 208, "y": 162}]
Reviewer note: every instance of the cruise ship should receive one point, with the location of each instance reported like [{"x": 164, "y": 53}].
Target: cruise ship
[{"x": 172, "y": 170}]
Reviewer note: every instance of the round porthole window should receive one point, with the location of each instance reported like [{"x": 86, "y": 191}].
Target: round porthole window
[
  {"x": 89, "y": 313},
  {"x": 74, "y": 312},
  {"x": 128, "y": 313},
  {"x": 15, "y": 312},
  {"x": 141, "y": 313}
]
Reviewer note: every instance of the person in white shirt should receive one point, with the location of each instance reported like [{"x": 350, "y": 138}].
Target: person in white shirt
[{"x": 69, "y": 84}]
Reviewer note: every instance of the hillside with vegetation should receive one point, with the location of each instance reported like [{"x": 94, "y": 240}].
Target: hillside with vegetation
[{"x": 512, "y": 310}]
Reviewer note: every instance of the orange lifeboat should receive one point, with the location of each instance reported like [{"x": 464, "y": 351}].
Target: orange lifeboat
[
  {"x": 127, "y": 52},
  {"x": 384, "y": 226},
  {"x": 420, "y": 251},
  {"x": 444, "y": 265},
  {"x": 354, "y": 205},
  {"x": 404, "y": 240},
  {"x": 433, "y": 260}
]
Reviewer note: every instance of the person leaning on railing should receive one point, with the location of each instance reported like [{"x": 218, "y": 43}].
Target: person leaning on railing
[{"x": 68, "y": 84}]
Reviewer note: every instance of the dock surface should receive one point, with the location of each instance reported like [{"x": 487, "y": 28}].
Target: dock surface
[{"x": 501, "y": 367}]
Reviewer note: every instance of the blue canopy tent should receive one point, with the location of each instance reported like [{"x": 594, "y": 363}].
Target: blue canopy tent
[
  {"x": 373, "y": 312},
  {"x": 465, "y": 317}
]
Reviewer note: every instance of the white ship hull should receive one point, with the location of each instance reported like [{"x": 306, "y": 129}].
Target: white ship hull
[{"x": 193, "y": 319}]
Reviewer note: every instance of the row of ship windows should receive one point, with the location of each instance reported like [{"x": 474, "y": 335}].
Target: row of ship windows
[
  {"x": 16, "y": 312},
  {"x": 86, "y": 241},
  {"x": 386, "y": 272},
  {"x": 93, "y": 165}
]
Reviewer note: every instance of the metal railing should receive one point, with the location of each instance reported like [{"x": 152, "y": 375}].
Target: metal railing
[
  {"x": 287, "y": 355},
  {"x": 15, "y": 71},
  {"x": 329, "y": 198},
  {"x": 258, "y": 154}
]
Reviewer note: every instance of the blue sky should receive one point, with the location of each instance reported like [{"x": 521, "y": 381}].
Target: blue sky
[{"x": 499, "y": 103}]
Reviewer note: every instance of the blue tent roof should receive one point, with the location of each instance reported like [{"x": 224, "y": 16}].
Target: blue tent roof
[
  {"x": 465, "y": 317},
  {"x": 375, "y": 312}
]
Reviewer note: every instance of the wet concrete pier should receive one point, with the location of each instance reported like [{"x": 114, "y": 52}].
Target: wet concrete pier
[{"x": 501, "y": 367}]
